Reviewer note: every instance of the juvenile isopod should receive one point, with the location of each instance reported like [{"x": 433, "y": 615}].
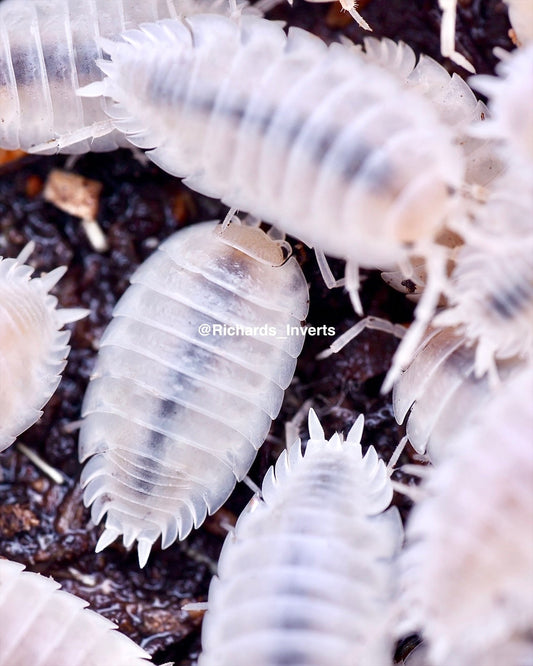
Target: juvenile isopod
[
  {"x": 306, "y": 577},
  {"x": 48, "y": 49},
  {"x": 190, "y": 373},
  {"x": 311, "y": 138},
  {"x": 467, "y": 571},
  {"x": 33, "y": 345},
  {"x": 40, "y": 624}
]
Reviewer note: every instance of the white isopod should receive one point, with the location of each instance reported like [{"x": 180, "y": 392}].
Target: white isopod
[
  {"x": 40, "y": 625},
  {"x": 440, "y": 393},
  {"x": 490, "y": 295},
  {"x": 33, "y": 346},
  {"x": 467, "y": 571},
  {"x": 306, "y": 577},
  {"x": 190, "y": 373},
  {"x": 330, "y": 148},
  {"x": 48, "y": 49}
]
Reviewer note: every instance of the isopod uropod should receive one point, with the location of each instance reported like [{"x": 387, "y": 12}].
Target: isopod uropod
[
  {"x": 44, "y": 625},
  {"x": 33, "y": 345},
  {"x": 306, "y": 577},
  {"x": 190, "y": 373}
]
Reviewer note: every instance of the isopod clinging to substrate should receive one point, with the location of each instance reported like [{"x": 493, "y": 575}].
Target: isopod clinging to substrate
[
  {"x": 43, "y": 625},
  {"x": 306, "y": 577},
  {"x": 190, "y": 373},
  {"x": 33, "y": 346},
  {"x": 48, "y": 49},
  {"x": 311, "y": 138}
]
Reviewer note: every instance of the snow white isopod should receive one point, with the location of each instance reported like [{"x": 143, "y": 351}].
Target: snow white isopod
[
  {"x": 306, "y": 577},
  {"x": 190, "y": 373}
]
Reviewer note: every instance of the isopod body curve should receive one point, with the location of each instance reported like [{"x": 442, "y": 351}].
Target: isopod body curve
[
  {"x": 42, "y": 625},
  {"x": 328, "y": 147},
  {"x": 190, "y": 373},
  {"x": 306, "y": 577},
  {"x": 33, "y": 346}
]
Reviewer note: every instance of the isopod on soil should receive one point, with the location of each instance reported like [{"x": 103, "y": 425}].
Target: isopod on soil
[
  {"x": 306, "y": 576},
  {"x": 190, "y": 373},
  {"x": 312, "y": 138}
]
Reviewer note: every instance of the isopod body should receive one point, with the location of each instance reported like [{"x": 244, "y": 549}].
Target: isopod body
[
  {"x": 308, "y": 137},
  {"x": 306, "y": 576},
  {"x": 467, "y": 571},
  {"x": 33, "y": 346},
  {"x": 41, "y": 625},
  {"x": 440, "y": 393},
  {"x": 189, "y": 375},
  {"x": 48, "y": 49}
]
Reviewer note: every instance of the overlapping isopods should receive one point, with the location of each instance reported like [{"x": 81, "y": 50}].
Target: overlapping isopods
[
  {"x": 440, "y": 393},
  {"x": 32, "y": 343},
  {"x": 48, "y": 49},
  {"x": 42, "y": 625},
  {"x": 305, "y": 136},
  {"x": 468, "y": 567},
  {"x": 306, "y": 577},
  {"x": 175, "y": 410},
  {"x": 117, "y": 476}
]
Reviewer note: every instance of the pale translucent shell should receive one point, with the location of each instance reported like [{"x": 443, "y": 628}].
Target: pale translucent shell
[
  {"x": 467, "y": 579},
  {"x": 173, "y": 418},
  {"x": 48, "y": 49},
  {"x": 33, "y": 348},
  {"x": 40, "y": 625},
  {"x": 328, "y": 147},
  {"x": 306, "y": 577},
  {"x": 439, "y": 393}
]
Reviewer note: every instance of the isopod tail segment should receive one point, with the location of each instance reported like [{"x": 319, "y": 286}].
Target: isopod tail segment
[
  {"x": 190, "y": 373},
  {"x": 33, "y": 343}
]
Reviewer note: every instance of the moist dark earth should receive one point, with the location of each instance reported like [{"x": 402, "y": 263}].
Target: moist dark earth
[{"x": 44, "y": 525}]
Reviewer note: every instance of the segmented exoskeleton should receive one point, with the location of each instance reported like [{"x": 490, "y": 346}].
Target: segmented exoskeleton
[
  {"x": 40, "y": 624},
  {"x": 300, "y": 134},
  {"x": 33, "y": 346},
  {"x": 306, "y": 576},
  {"x": 468, "y": 566},
  {"x": 439, "y": 392},
  {"x": 48, "y": 49},
  {"x": 190, "y": 373},
  {"x": 450, "y": 95}
]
